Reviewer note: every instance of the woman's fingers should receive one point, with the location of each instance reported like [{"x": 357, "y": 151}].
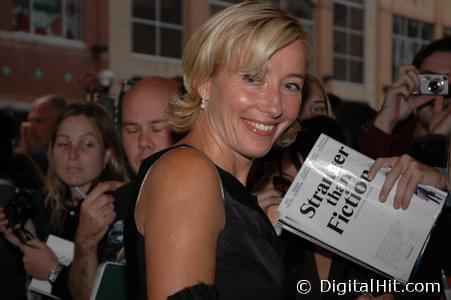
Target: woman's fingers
[
  {"x": 406, "y": 187},
  {"x": 404, "y": 170},
  {"x": 380, "y": 163}
]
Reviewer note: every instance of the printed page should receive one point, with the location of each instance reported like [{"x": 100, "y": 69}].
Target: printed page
[{"x": 332, "y": 202}]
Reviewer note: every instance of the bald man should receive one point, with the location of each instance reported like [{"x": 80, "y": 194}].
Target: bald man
[
  {"x": 145, "y": 129},
  {"x": 37, "y": 130}
]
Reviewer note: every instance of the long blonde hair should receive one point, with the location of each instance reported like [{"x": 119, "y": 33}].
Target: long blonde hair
[
  {"x": 260, "y": 29},
  {"x": 58, "y": 197}
]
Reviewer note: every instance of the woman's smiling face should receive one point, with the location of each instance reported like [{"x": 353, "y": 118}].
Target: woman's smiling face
[{"x": 249, "y": 114}]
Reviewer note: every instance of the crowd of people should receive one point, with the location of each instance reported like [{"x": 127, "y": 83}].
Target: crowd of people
[{"x": 185, "y": 195}]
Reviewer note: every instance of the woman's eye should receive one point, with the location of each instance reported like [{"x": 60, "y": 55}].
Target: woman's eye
[
  {"x": 292, "y": 86},
  {"x": 61, "y": 145},
  {"x": 88, "y": 145},
  {"x": 250, "y": 79},
  {"x": 319, "y": 110}
]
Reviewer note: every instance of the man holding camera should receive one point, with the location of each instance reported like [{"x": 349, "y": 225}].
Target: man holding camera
[
  {"x": 12, "y": 277},
  {"x": 415, "y": 105}
]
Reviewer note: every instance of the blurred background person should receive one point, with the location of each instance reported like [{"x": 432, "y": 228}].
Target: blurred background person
[
  {"x": 145, "y": 131},
  {"x": 407, "y": 116},
  {"x": 315, "y": 101},
  {"x": 86, "y": 162},
  {"x": 12, "y": 276},
  {"x": 35, "y": 132},
  {"x": 144, "y": 126}
]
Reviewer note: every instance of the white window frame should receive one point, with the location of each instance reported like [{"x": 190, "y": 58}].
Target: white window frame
[
  {"x": 282, "y": 4},
  {"x": 447, "y": 31},
  {"x": 158, "y": 25},
  {"x": 348, "y": 58},
  {"x": 404, "y": 58},
  {"x": 306, "y": 23}
]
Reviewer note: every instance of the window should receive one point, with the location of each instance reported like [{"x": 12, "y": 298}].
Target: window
[
  {"x": 447, "y": 31},
  {"x": 56, "y": 18},
  {"x": 408, "y": 38},
  {"x": 218, "y": 5},
  {"x": 157, "y": 27},
  {"x": 304, "y": 11},
  {"x": 348, "y": 40}
]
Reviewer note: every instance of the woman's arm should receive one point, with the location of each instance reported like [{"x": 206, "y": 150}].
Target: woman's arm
[
  {"x": 39, "y": 260},
  {"x": 96, "y": 215},
  {"x": 180, "y": 213}
]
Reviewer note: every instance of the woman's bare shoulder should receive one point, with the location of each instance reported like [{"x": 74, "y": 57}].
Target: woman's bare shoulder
[
  {"x": 184, "y": 162},
  {"x": 182, "y": 182}
]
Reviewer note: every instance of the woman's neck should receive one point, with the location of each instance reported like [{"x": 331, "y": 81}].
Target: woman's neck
[
  {"x": 223, "y": 156},
  {"x": 79, "y": 193}
]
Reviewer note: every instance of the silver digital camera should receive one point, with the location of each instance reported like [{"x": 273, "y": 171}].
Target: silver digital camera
[{"x": 433, "y": 84}]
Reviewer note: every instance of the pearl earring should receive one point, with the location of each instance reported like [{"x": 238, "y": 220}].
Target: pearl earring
[{"x": 203, "y": 103}]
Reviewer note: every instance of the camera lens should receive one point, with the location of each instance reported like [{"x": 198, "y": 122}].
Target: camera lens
[{"x": 435, "y": 86}]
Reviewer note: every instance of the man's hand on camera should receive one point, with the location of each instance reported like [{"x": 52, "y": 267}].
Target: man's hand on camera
[
  {"x": 7, "y": 230},
  {"x": 399, "y": 100}
]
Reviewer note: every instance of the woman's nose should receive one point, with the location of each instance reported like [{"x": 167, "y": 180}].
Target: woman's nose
[
  {"x": 272, "y": 103},
  {"x": 73, "y": 152}
]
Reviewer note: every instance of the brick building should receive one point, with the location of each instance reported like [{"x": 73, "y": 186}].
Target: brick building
[
  {"x": 361, "y": 43},
  {"x": 48, "y": 46}
]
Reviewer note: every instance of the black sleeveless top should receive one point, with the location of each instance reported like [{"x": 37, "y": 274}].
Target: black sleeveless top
[{"x": 249, "y": 258}]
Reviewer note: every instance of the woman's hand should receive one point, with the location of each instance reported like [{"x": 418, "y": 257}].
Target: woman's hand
[
  {"x": 96, "y": 214},
  {"x": 269, "y": 200},
  {"x": 39, "y": 260},
  {"x": 410, "y": 173}
]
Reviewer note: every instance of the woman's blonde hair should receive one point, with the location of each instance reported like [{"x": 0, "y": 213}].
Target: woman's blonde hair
[
  {"x": 253, "y": 29},
  {"x": 310, "y": 80},
  {"x": 58, "y": 197}
]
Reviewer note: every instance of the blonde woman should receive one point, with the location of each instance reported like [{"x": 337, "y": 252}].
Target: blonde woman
[{"x": 195, "y": 230}]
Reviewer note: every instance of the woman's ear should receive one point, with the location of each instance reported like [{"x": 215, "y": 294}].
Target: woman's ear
[{"x": 204, "y": 89}]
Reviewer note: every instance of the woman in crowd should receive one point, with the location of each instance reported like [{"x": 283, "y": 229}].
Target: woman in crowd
[
  {"x": 304, "y": 260},
  {"x": 315, "y": 101},
  {"x": 195, "y": 227},
  {"x": 86, "y": 161}
]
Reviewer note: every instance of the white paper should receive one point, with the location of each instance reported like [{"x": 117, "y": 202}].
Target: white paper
[
  {"x": 331, "y": 203},
  {"x": 64, "y": 250}
]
